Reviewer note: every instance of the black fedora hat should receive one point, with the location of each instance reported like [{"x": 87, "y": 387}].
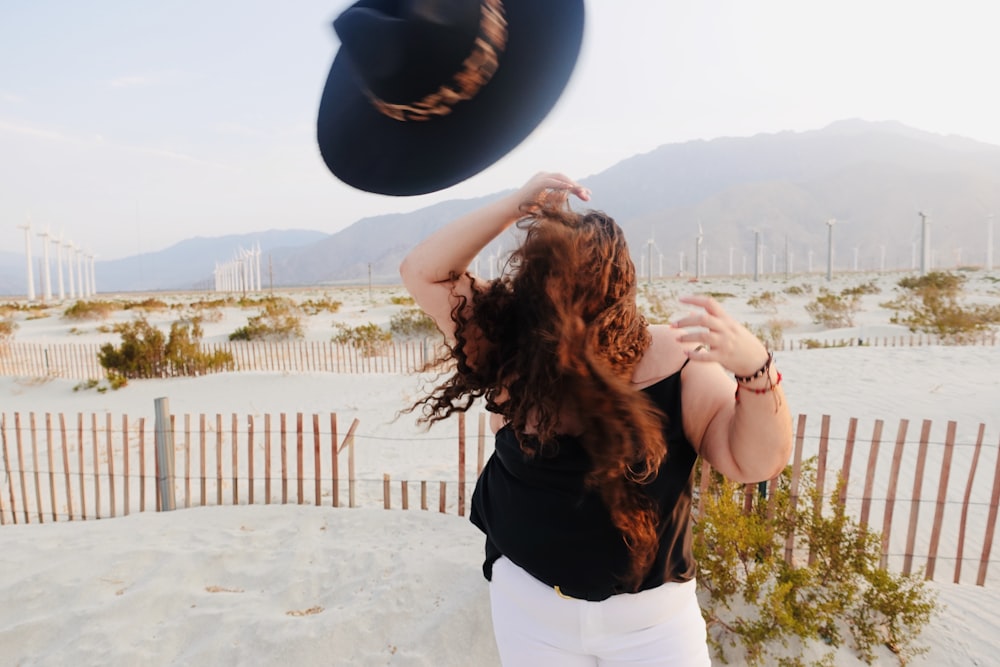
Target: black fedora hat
[{"x": 423, "y": 94}]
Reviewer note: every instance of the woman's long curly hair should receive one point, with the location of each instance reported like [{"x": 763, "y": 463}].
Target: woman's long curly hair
[{"x": 560, "y": 334}]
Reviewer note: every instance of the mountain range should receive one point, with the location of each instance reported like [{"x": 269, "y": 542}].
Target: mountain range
[{"x": 874, "y": 179}]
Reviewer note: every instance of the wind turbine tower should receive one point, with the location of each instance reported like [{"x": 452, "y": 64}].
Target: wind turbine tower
[
  {"x": 829, "y": 248},
  {"x": 47, "y": 276},
  {"x": 989, "y": 242},
  {"x": 697, "y": 253},
  {"x": 57, "y": 242},
  {"x": 27, "y": 256},
  {"x": 925, "y": 242}
]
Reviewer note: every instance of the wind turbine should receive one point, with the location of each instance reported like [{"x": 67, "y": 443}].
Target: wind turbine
[
  {"x": 697, "y": 253},
  {"x": 70, "y": 252},
  {"x": 78, "y": 255},
  {"x": 756, "y": 255},
  {"x": 925, "y": 241},
  {"x": 829, "y": 248},
  {"x": 989, "y": 242},
  {"x": 93, "y": 276},
  {"x": 27, "y": 256},
  {"x": 47, "y": 276},
  {"x": 57, "y": 241}
]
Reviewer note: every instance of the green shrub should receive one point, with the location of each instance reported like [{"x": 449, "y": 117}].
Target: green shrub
[
  {"x": 932, "y": 304},
  {"x": 412, "y": 322},
  {"x": 279, "y": 320},
  {"x": 755, "y": 602},
  {"x": 90, "y": 310},
  {"x": 720, "y": 296},
  {"x": 402, "y": 301},
  {"x": 369, "y": 338},
  {"x": 145, "y": 352},
  {"x": 832, "y": 310},
  {"x": 91, "y": 383}
]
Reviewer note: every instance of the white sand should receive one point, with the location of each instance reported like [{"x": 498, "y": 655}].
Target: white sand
[{"x": 267, "y": 585}]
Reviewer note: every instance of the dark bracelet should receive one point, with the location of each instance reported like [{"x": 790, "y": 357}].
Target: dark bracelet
[{"x": 761, "y": 372}]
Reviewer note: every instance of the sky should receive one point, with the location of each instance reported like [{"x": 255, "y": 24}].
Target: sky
[{"x": 127, "y": 127}]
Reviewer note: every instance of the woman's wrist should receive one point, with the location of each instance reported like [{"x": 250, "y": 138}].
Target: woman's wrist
[{"x": 763, "y": 370}]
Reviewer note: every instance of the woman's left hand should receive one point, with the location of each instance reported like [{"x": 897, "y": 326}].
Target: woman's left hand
[{"x": 726, "y": 341}]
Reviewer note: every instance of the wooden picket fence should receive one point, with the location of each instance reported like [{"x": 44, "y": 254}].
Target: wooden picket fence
[
  {"x": 58, "y": 468},
  {"x": 79, "y": 361}
]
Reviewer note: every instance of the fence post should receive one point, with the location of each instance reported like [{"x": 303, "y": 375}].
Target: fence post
[{"x": 164, "y": 455}]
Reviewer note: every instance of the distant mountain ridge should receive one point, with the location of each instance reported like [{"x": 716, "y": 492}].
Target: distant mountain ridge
[{"x": 872, "y": 177}]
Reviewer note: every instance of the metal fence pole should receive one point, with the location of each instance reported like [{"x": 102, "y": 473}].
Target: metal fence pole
[{"x": 164, "y": 455}]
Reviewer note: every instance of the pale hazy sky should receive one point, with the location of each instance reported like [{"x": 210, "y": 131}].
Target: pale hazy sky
[{"x": 129, "y": 126}]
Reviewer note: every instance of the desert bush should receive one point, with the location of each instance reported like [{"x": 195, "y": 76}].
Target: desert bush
[
  {"x": 412, "y": 322},
  {"x": 657, "y": 311},
  {"x": 316, "y": 306},
  {"x": 90, "y": 310},
  {"x": 7, "y": 327},
  {"x": 932, "y": 304},
  {"x": 212, "y": 304},
  {"x": 279, "y": 320},
  {"x": 869, "y": 287},
  {"x": 833, "y": 311},
  {"x": 149, "y": 305},
  {"x": 765, "y": 302},
  {"x": 402, "y": 301},
  {"x": 145, "y": 352},
  {"x": 369, "y": 338},
  {"x": 798, "y": 290},
  {"x": 755, "y": 602},
  {"x": 720, "y": 296},
  {"x": 771, "y": 333}
]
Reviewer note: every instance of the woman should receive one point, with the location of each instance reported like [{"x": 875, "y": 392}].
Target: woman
[{"x": 599, "y": 418}]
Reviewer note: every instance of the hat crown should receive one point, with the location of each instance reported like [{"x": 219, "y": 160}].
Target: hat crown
[{"x": 402, "y": 50}]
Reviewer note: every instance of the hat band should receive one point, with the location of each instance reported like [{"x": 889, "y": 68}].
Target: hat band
[{"x": 477, "y": 70}]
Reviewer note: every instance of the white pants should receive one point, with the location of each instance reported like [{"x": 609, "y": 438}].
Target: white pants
[{"x": 535, "y": 626}]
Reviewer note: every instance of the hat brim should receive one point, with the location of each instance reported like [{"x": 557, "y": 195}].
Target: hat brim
[{"x": 375, "y": 153}]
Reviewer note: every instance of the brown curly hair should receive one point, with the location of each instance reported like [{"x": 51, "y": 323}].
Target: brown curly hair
[{"x": 560, "y": 333}]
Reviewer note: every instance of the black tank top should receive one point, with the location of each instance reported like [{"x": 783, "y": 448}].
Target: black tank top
[{"x": 537, "y": 513}]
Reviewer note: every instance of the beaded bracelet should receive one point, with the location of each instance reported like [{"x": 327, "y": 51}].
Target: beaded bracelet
[
  {"x": 770, "y": 387},
  {"x": 760, "y": 371}
]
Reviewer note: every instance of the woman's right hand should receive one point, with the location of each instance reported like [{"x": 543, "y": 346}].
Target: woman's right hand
[{"x": 550, "y": 189}]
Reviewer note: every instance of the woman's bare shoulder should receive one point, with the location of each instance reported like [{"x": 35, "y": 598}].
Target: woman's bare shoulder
[{"x": 663, "y": 358}]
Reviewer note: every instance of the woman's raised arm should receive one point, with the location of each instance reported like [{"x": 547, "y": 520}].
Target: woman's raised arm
[{"x": 429, "y": 270}]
